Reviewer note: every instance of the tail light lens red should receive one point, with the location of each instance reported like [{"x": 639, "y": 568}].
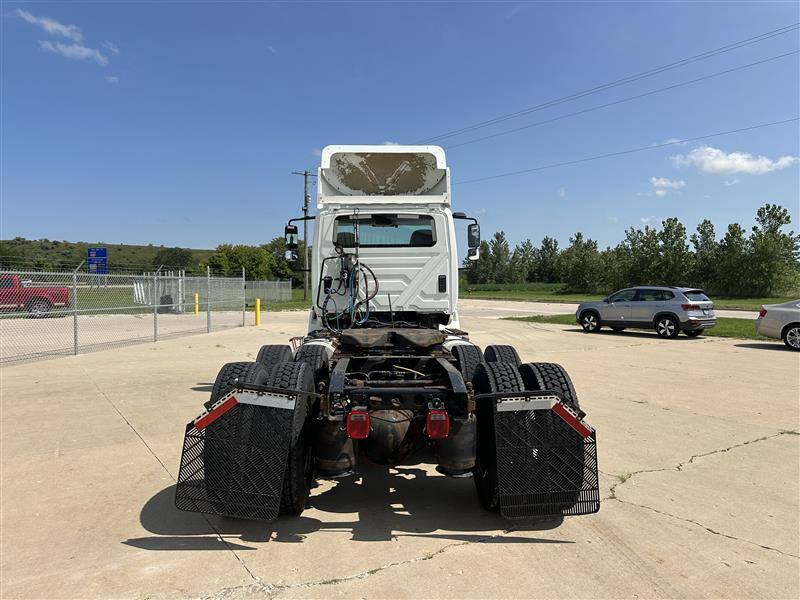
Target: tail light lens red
[
  {"x": 437, "y": 424},
  {"x": 762, "y": 313},
  {"x": 690, "y": 306},
  {"x": 358, "y": 424}
]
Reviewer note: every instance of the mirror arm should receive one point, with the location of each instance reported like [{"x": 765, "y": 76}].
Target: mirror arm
[
  {"x": 464, "y": 217},
  {"x": 309, "y": 218}
]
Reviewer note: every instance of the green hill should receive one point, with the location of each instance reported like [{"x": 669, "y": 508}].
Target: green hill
[{"x": 20, "y": 253}]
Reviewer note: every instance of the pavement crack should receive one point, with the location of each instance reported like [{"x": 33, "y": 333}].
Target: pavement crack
[
  {"x": 623, "y": 477},
  {"x": 706, "y": 527},
  {"x": 164, "y": 467},
  {"x": 272, "y": 590}
]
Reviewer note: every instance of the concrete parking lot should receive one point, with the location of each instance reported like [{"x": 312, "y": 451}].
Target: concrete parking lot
[{"x": 698, "y": 447}]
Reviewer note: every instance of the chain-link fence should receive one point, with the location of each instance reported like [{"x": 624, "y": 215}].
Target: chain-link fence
[
  {"x": 274, "y": 291},
  {"x": 56, "y": 313}
]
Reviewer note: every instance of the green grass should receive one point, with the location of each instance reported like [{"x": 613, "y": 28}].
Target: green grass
[
  {"x": 726, "y": 327},
  {"x": 551, "y": 292}
]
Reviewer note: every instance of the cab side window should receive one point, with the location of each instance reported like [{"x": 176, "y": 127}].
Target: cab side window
[{"x": 623, "y": 296}]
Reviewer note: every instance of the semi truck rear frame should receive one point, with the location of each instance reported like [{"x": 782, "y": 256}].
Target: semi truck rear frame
[{"x": 385, "y": 373}]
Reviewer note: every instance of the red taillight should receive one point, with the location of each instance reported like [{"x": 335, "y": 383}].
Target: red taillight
[
  {"x": 437, "y": 424},
  {"x": 690, "y": 306},
  {"x": 762, "y": 313},
  {"x": 358, "y": 424}
]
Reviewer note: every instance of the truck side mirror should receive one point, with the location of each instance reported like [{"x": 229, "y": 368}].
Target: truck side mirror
[
  {"x": 290, "y": 237},
  {"x": 473, "y": 241}
]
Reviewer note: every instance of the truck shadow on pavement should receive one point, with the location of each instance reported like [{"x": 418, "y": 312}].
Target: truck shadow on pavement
[{"x": 381, "y": 505}]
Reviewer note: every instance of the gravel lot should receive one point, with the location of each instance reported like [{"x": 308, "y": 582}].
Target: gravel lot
[{"x": 698, "y": 444}]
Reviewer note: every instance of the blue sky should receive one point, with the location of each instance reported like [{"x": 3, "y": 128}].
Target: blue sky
[{"x": 179, "y": 123}]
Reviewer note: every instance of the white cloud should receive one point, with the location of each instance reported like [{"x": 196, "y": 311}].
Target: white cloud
[
  {"x": 730, "y": 182},
  {"x": 661, "y": 192},
  {"x": 111, "y": 47},
  {"x": 664, "y": 183},
  {"x": 51, "y": 26},
  {"x": 272, "y": 49},
  {"x": 391, "y": 143},
  {"x": 645, "y": 219},
  {"x": 612, "y": 219},
  {"x": 715, "y": 161},
  {"x": 76, "y": 51},
  {"x": 112, "y": 79},
  {"x": 562, "y": 192}
]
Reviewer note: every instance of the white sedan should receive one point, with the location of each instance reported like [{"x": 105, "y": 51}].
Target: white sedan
[{"x": 782, "y": 322}]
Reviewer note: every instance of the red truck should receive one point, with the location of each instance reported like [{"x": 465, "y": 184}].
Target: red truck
[{"x": 37, "y": 301}]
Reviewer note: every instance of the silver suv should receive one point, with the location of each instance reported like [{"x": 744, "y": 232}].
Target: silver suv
[{"x": 669, "y": 310}]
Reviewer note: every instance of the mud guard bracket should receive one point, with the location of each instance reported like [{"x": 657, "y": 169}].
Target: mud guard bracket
[{"x": 234, "y": 455}]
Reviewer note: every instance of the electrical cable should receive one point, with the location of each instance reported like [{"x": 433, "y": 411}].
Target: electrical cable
[
  {"x": 618, "y": 82},
  {"x": 623, "y": 100},
  {"x": 622, "y": 152}
]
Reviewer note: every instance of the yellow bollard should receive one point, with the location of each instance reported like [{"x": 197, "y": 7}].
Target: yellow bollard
[
  {"x": 197, "y": 304},
  {"x": 258, "y": 312}
]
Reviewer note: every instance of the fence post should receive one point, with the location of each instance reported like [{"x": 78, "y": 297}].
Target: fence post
[
  {"x": 258, "y": 312},
  {"x": 244, "y": 299},
  {"x": 75, "y": 312},
  {"x": 155, "y": 306},
  {"x": 208, "y": 299},
  {"x": 196, "y": 303}
]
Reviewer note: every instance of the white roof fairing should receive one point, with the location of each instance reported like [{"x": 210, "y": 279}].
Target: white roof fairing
[{"x": 383, "y": 171}]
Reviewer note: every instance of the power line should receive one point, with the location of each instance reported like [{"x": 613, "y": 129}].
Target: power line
[
  {"x": 621, "y": 152},
  {"x": 628, "y": 99},
  {"x": 616, "y": 83}
]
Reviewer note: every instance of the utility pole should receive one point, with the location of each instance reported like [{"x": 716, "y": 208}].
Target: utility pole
[{"x": 306, "y": 175}]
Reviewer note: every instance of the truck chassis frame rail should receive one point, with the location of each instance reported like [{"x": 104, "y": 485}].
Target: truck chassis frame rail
[{"x": 546, "y": 456}]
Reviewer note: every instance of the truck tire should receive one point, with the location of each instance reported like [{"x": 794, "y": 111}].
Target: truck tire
[
  {"x": 490, "y": 377},
  {"x": 219, "y": 466},
  {"x": 274, "y": 354},
  {"x": 299, "y": 465},
  {"x": 501, "y": 353},
  {"x": 39, "y": 308},
  {"x": 230, "y": 373},
  {"x": 316, "y": 357},
  {"x": 549, "y": 376},
  {"x": 468, "y": 357}
]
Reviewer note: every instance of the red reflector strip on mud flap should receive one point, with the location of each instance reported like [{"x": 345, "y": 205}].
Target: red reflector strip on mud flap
[
  {"x": 219, "y": 409},
  {"x": 571, "y": 419}
]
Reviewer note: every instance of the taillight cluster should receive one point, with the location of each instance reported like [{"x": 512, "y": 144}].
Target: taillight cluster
[
  {"x": 358, "y": 424},
  {"x": 690, "y": 306},
  {"x": 437, "y": 424},
  {"x": 762, "y": 313}
]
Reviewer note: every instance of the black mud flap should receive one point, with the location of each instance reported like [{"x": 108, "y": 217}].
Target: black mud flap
[
  {"x": 546, "y": 457},
  {"x": 234, "y": 456}
]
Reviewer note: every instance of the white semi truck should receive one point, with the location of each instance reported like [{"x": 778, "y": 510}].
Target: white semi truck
[{"x": 385, "y": 372}]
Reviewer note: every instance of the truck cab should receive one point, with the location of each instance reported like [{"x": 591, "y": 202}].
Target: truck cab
[{"x": 390, "y": 207}]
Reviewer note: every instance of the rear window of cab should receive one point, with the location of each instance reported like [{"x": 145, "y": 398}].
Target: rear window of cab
[{"x": 385, "y": 231}]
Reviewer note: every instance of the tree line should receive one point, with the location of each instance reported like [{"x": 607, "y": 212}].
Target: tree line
[{"x": 764, "y": 262}]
